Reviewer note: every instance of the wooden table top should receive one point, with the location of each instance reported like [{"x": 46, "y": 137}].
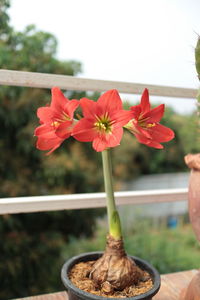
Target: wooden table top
[{"x": 171, "y": 285}]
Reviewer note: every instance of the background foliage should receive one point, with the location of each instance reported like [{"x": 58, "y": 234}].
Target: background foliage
[{"x": 33, "y": 246}]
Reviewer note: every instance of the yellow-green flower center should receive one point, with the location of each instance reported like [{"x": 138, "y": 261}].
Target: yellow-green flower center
[
  {"x": 103, "y": 124},
  {"x": 151, "y": 125},
  {"x": 57, "y": 121},
  {"x": 143, "y": 122}
]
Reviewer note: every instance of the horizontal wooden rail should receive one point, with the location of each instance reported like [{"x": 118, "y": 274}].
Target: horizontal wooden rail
[
  {"x": 42, "y": 80},
  {"x": 92, "y": 200}
]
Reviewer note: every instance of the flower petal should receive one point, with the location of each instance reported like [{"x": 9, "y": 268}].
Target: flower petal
[
  {"x": 58, "y": 99},
  {"x": 114, "y": 139},
  {"x": 136, "y": 111},
  {"x": 54, "y": 148},
  {"x": 120, "y": 117},
  {"x": 147, "y": 141},
  {"x": 157, "y": 135},
  {"x": 64, "y": 129},
  {"x": 99, "y": 144},
  {"x": 70, "y": 107},
  {"x": 84, "y": 131},
  {"x": 43, "y": 129},
  {"x": 145, "y": 104},
  {"x": 143, "y": 131},
  {"x": 109, "y": 140},
  {"x": 154, "y": 144},
  {"x": 134, "y": 128},
  {"x": 155, "y": 114},
  {"x": 89, "y": 108},
  {"x": 110, "y": 101},
  {"x": 48, "y": 143},
  {"x": 161, "y": 133},
  {"x": 45, "y": 114}
]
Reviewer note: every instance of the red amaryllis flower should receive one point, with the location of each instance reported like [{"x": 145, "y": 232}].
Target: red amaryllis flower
[
  {"x": 145, "y": 123},
  {"x": 103, "y": 121},
  {"x": 56, "y": 121}
]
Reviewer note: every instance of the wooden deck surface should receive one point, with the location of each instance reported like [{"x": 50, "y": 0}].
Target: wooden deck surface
[{"x": 171, "y": 285}]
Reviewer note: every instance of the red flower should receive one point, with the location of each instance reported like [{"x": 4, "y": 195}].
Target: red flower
[
  {"x": 145, "y": 123},
  {"x": 103, "y": 121},
  {"x": 56, "y": 121}
]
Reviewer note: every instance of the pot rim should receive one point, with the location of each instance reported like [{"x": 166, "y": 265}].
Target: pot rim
[{"x": 69, "y": 285}]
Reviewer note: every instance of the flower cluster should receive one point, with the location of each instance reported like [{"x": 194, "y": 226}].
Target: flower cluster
[{"x": 102, "y": 122}]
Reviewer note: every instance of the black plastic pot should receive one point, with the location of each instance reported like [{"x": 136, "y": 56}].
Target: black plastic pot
[{"x": 75, "y": 293}]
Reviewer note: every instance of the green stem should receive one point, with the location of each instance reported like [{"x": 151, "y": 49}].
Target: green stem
[
  {"x": 113, "y": 216},
  {"x": 197, "y": 64}
]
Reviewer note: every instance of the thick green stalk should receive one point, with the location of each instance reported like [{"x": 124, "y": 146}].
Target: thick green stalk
[
  {"x": 113, "y": 216},
  {"x": 197, "y": 64},
  {"x": 197, "y": 57}
]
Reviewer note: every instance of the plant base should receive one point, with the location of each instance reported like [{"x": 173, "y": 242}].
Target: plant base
[
  {"x": 75, "y": 293},
  {"x": 79, "y": 276}
]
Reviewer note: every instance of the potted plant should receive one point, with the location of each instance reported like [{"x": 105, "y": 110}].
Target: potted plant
[{"x": 112, "y": 273}]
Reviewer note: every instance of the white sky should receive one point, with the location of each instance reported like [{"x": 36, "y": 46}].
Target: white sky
[{"x": 145, "y": 41}]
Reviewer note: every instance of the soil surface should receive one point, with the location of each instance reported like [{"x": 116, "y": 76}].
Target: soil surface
[{"x": 79, "y": 276}]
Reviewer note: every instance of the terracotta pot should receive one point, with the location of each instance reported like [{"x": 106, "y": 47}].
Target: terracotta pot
[
  {"x": 75, "y": 293},
  {"x": 192, "y": 292},
  {"x": 193, "y": 162}
]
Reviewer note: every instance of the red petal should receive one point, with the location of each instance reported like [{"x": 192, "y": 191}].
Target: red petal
[
  {"x": 121, "y": 118},
  {"x": 155, "y": 115},
  {"x": 70, "y": 107},
  {"x": 89, "y": 108},
  {"x": 48, "y": 143},
  {"x": 43, "y": 129},
  {"x": 141, "y": 138},
  {"x": 145, "y": 104},
  {"x": 136, "y": 111},
  {"x": 110, "y": 101},
  {"x": 135, "y": 128},
  {"x": 109, "y": 140},
  {"x": 53, "y": 149},
  {"x": 142, "y": 131},
  {"x": 45, "y": 114},
  {"x": 154, "y": 144},
  {"x": 58, "y": 99},
  {"x": 157, "y": 135},
  {"x": 64, "y": 130},
  {"x": 161, "y": 133},
  {"x": 99, "y": 144},
  {"x": 83, "y": 131},
  {"x": 146, "y": 141},
  {"x": 114, "y": 139}
]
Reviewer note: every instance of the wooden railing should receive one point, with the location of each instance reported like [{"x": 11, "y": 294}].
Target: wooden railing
[
  {"x": 42, "y": 80},
  {"x": 77, "y": 201},
  {"x": 92, "y": 200}
]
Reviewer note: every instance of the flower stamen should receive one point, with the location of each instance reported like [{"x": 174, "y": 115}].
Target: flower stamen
[
  {"x": 55, "y": 124},
  {"x": 103, "y": 124},
  {"x": 150, "y": 125},
  {"x": 58, "y": 121},
  {"x": 66, "y": 117}
]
